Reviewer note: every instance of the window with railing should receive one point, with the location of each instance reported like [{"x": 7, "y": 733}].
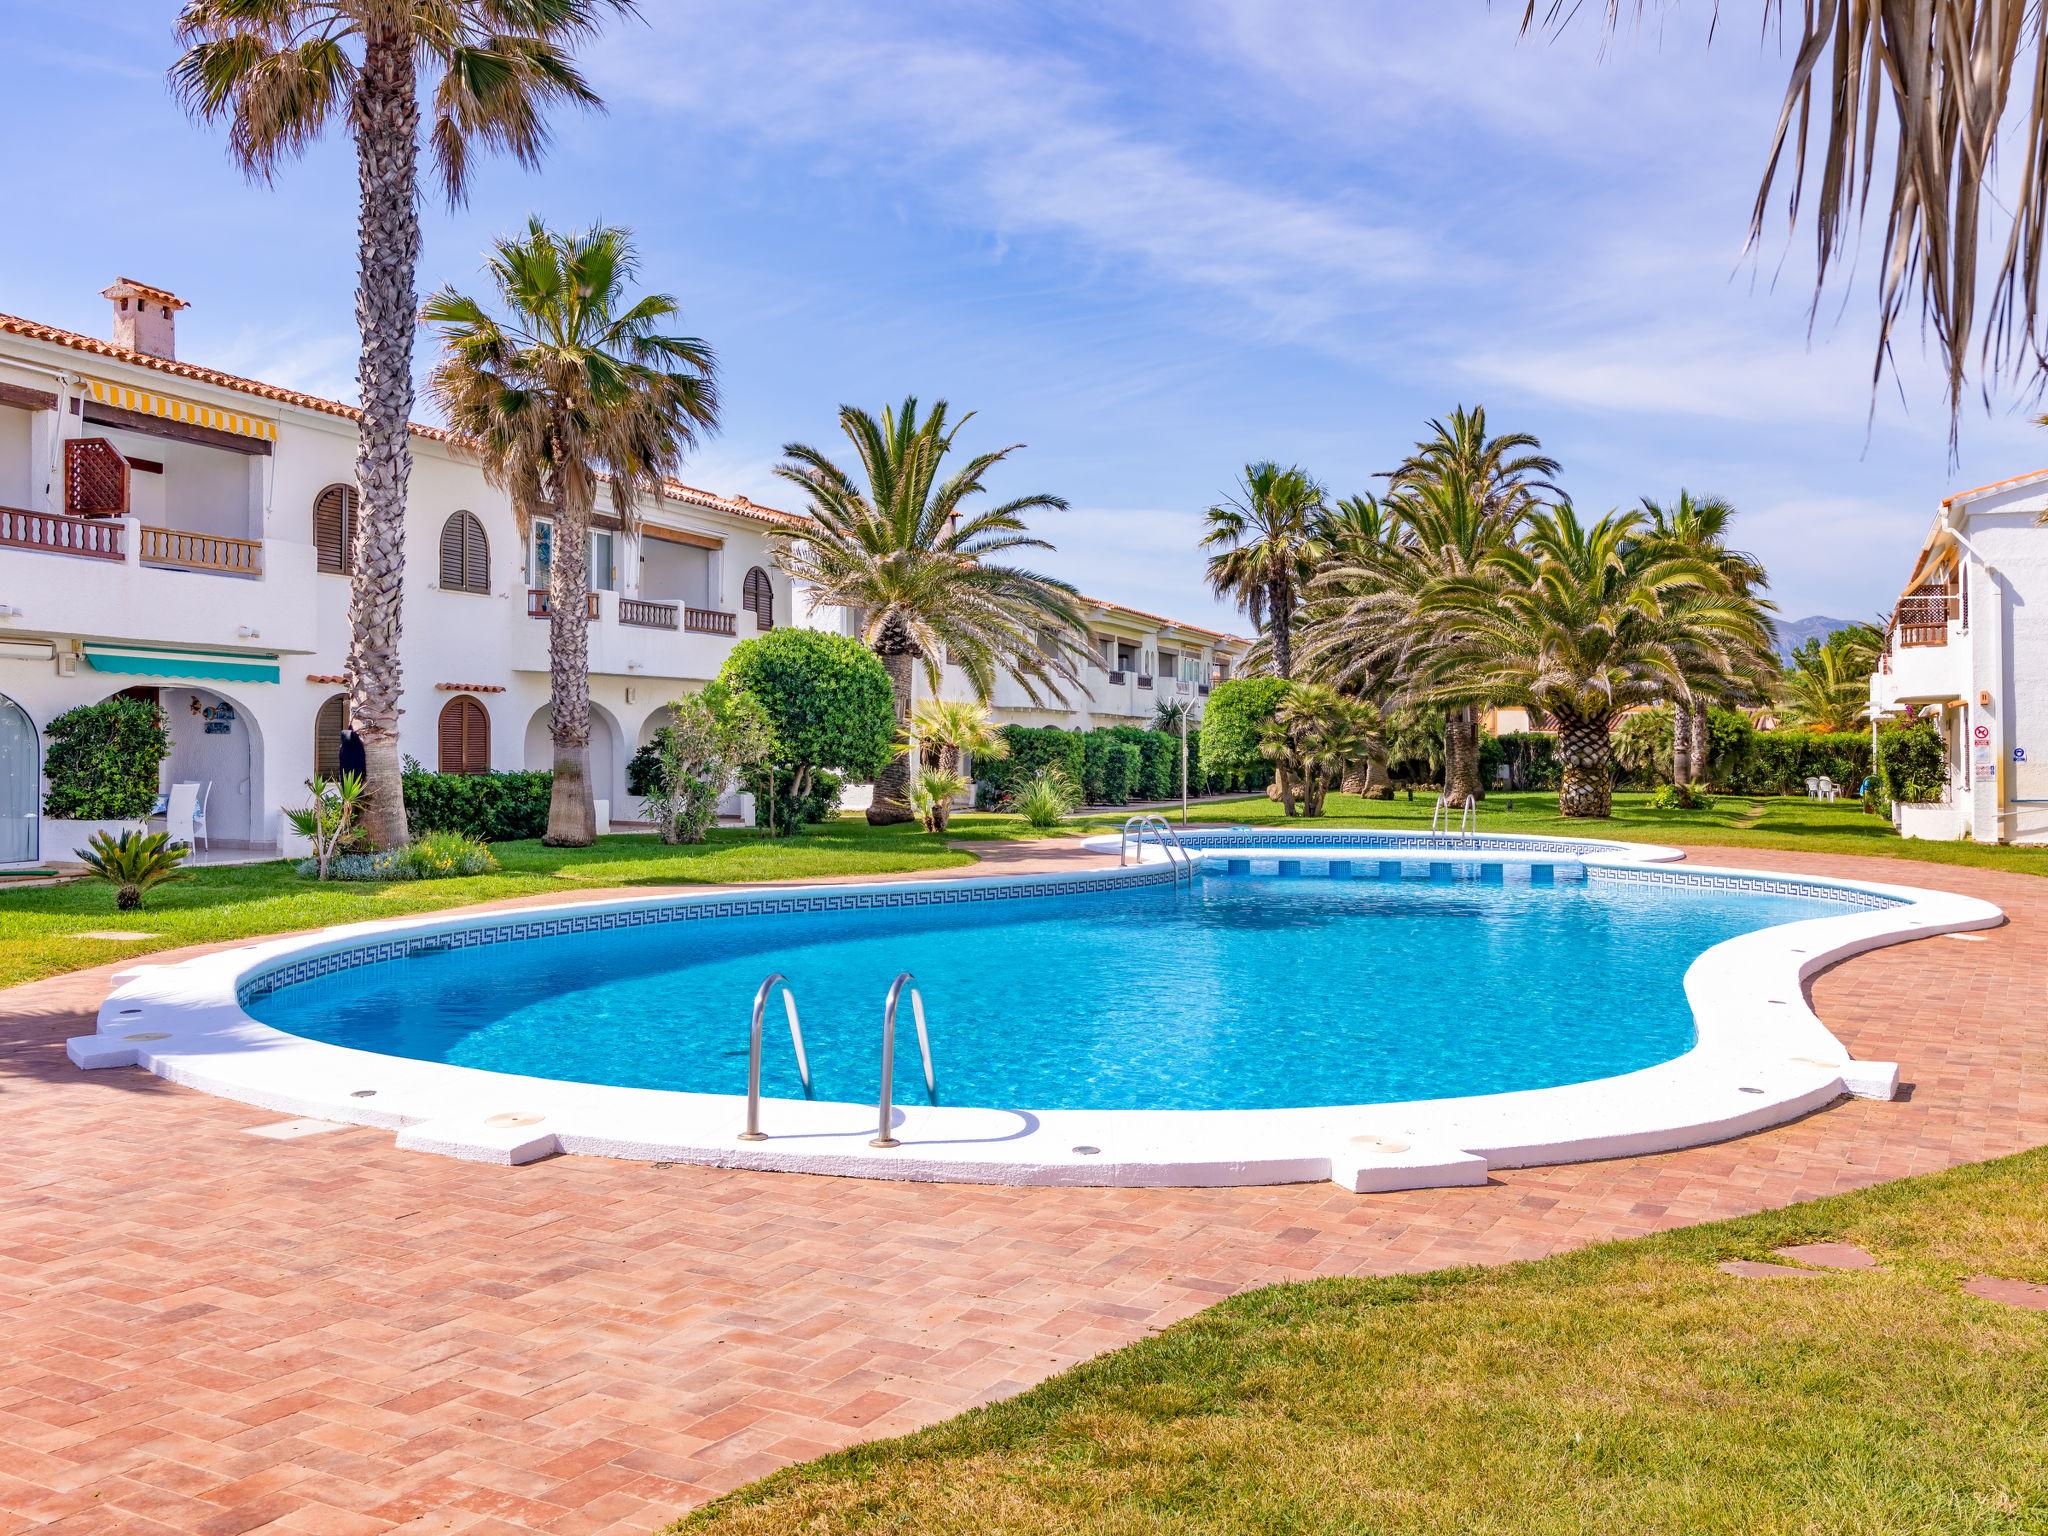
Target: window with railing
[{"x": 1923, "y": 614}]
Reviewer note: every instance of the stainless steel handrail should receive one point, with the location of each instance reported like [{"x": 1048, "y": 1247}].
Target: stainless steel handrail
[
  {"x": 1169, "y": 843},
  {"x": 753, "y": 1132},
  {"x": 1440, "y": 817},
  {"x": 886, "y": 1106}
]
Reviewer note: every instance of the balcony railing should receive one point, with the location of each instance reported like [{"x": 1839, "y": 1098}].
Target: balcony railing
[
  {"x": 1922, "y": 618},
  {"x": 201, "y": 551},
  {"x": 1144, "y": 681},
  {"x": 1202, "y": 689},
  {"x": 537, "y": 606},
  {"x": 56, "y": 534},
  {"x": 1116, "y": 675},
  {"x": 709, "y": 621},
  {"x": 647, "y": 615}
]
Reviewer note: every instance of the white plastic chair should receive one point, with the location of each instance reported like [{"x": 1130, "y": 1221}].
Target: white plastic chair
[
  {"x": 181, "y": 816},
  {"x": 199, "y": 813},
  {"x": 1829, "y": 790},
  {"x": 1812, "y": 788}
]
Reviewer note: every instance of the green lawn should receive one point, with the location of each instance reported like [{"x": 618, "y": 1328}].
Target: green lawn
[
  {"x": 42, "y": 928},
  {"x": 1736, "y": 821},
  {"x": 1624, "y": 1388}
]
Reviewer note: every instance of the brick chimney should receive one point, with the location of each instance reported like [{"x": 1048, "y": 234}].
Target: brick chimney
[{"x": 145, "y": 318}]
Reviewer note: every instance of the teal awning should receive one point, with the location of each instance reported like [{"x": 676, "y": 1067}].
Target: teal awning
[{"x": 161, "y": 661}]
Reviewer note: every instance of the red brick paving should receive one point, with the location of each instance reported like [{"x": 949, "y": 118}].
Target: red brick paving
[{"x": 208, "y": 1332}]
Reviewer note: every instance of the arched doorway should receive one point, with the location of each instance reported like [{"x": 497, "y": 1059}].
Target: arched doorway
[
  {"x": 21, "y": 781},
  {"x": 607, "y": 760},
  {"x": 215, "y": 742}
]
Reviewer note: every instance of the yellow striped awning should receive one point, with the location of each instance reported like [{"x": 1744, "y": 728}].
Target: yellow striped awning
[{"x": 171, "y": 408}]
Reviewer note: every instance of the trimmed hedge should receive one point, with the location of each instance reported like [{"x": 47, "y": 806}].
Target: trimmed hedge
[
  {"x": 1112, "y": 768},
  {"x": 496, "y": 807},
  {"x": 102, "y": 760},
  {"x": 1032, "y": 747}
]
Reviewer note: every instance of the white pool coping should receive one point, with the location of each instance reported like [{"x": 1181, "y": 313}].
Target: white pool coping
[{"x": 1762, "y": 1057}]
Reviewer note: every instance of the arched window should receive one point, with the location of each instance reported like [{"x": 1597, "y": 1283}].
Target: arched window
[
  {"x": 465, "y": 736},
  {"x": 334, "y": 528},
  {"x": 465, "y": 555},
  {"x": 757, "y": 596},
  {"x": 327, "y": 728}
]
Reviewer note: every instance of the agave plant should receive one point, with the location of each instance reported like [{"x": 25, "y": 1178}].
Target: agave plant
[{"x": 133, "y": 863}]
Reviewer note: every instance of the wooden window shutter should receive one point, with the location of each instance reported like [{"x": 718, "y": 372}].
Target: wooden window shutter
[
  {"x": 327, "y": 728},
  {"x": 465, "y": 555},
  {"x": 465, "y": 736},
  {"x": 334, "y": 529},
  {"x": 757, "y": 596}
]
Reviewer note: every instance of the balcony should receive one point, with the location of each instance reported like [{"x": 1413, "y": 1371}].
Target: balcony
[
  {"x": 177, "y": 549},
  {"x": 57, "y": 533},
  {"x": 538, "y": 606},
  {"x": 639, "y": 613},
  {"x": 1924, "y": 660}
]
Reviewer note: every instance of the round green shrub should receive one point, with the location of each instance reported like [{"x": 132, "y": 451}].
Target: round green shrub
[{"x": 102, "y": 760}]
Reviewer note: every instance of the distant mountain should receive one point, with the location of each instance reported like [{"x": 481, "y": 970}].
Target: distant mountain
[{"x": 1793, "y": 633}]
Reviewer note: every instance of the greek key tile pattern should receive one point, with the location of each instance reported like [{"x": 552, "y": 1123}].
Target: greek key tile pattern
[
  {"x": 1255, "y": 837},
  {"x": 1870, "y": 901},
  {"x": 291, "y": 972}
]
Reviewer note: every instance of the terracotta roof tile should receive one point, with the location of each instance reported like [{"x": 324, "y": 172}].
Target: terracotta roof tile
[{"x": 734, "y": 506}]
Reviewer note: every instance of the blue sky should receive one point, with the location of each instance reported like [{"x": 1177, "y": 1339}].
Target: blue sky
[{"x": 1152, "y": 242}]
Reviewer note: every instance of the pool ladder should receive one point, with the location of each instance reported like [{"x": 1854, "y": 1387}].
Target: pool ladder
[
  {"x": 753, "y": 1132},
  {"x": 1176, "y": 851},
  {"x": 884, "y": 1108},
  {"x": 1446, "y": 807}
]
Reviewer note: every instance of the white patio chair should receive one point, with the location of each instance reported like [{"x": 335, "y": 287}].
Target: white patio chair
[
  {"x": 181, "y": 815},
  {"x": 1812, "y": 788},
  {"x": 199, "y": 814},
  {"x": 1829, "y": 790}
]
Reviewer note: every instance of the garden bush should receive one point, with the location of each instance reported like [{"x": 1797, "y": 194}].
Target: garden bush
[
  {"x": 1240, "y": 710},
  {"x": 494, "y": 807},
  {"x": 102, "y": 760},
  {"x": 1912, "y": 763},
  {"x": 1032, "y": 747},
  {"x": 1680, "y": 797},
  {"x": 830, "y": 710},
  {"x": 433, "y": 856}
]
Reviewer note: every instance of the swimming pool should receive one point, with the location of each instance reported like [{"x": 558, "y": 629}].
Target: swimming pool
[
  {"x": 1381, "y": 1010},
  {"x": 1240, "y": 992}
]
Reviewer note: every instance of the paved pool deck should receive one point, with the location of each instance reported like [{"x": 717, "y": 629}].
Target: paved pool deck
[{"x": 212, "y": 1332}]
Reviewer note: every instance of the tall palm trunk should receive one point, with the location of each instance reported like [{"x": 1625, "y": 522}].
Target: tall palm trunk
[
  {"x": 1461, "y": 754},
  {"x": 1280, "y": 605},
  {"x": 572, "y": 813},
  {"x": 1584, "y": 753},
  {"x": 891, "y": 805},
  {"x": 386, "y": 121},
  {"x": 1682, "y": 768},
  {"x": 1700, "y": 744}
]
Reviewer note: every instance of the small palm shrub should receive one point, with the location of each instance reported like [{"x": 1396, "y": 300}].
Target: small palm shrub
[
  {"x": 932, "y": 795},
  {"x": 1045, "y": 799},
  {"x": 134, "y": 863}
]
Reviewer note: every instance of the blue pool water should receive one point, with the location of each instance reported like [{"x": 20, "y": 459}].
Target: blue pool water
[{"x": 1249, "y": 992}]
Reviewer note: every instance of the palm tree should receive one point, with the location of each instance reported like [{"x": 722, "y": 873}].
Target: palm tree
[
  {"x": 279, "y": 73},
  {"x": 1826, "y": 686},
  {"x": 1698, "y": 525},
  {"x": 1315, "y": 736},
  {"x": 904, "y": 555},
  {"x": 1963, "y": 156},
  {"x": 956, "y": 730},
  {"x": 577, "y": 382},
  {"x": 1503, "y": 475},
  {"x": 1265, "y": 538},
  {"x": 1373, "y": 627},
  {"x": 1579, "y": 621}
]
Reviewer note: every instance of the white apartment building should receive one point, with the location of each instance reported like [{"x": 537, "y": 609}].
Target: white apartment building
[
  {"x": 1968, "y": 640},
  {"x": 168, "y": 527}
]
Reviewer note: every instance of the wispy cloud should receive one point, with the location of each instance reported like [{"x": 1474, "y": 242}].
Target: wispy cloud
[{"x": 1021, "y": 143}]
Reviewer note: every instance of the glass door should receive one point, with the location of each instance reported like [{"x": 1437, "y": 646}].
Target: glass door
[{"x": 21, "y": 772}]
